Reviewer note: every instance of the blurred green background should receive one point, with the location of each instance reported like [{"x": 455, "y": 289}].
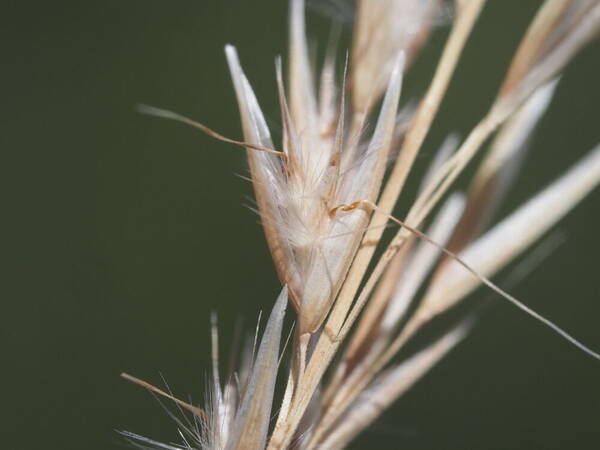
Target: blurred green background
[{"x": 125, "y": 231}]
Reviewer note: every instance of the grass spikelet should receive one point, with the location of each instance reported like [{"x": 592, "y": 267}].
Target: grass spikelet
[{"x": 325, "y": 197}]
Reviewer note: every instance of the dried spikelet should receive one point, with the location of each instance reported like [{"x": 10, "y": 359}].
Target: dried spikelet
[
  {"x": 388, "y": 386},
  {"x": 251, "y": 424},
  {"x": 323, "y": 216},
  {"x": 311, "y": 247},
  {"x": 382, "y": 29},
  {"x": 558, "y": 30},
  {"x": 501, "y": 244},
  {"x": 500, "y": 166}
]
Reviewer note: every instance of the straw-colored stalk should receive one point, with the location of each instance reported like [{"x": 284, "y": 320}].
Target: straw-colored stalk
[{"x": 325, "y": 200}]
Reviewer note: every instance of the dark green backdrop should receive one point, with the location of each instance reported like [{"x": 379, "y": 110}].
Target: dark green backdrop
[{"x": 125, "y": 231}]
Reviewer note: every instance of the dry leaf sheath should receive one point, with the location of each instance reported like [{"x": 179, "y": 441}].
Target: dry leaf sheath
[{"x": 324, "y": 200}]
